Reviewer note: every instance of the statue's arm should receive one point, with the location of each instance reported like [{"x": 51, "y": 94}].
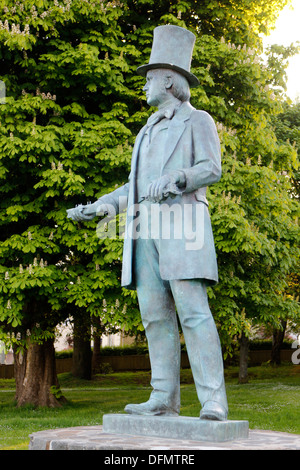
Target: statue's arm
[
  {"x": 109, "y": 204},
  {"x": 206, "y": 168}
]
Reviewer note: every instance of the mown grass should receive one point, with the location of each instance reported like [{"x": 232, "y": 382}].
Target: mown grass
[{"x": 271, "y": 400}]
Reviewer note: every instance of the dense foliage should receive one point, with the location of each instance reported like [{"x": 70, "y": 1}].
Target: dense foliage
[{"x": 73, "y": 107}]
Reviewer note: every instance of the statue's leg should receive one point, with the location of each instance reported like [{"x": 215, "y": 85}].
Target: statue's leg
[
  {"x": 203, "y": 344},
  {"x": 159, "y": 319}
]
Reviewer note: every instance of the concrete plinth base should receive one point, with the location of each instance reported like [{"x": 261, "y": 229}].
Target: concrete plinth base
[
  {"x": 93, "y": 438},
  {"x": 176, "y": 427}
]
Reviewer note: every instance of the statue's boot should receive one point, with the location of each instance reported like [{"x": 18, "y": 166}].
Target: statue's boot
[
  {"x": 213, "y": 411},
  {"x": 151, "y": 407}
]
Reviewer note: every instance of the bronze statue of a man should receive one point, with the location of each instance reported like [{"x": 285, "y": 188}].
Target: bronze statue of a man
[{"x": 170, "y": 258}]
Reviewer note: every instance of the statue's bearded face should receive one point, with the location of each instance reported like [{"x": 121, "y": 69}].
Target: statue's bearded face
[{"x": 156, "y": 87}]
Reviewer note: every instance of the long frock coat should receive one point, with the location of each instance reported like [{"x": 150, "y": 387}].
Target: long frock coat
[{"x": 192, "y": 146}]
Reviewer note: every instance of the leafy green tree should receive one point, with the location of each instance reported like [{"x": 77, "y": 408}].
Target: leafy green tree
[
  {"x": 74, "y": 105},
  {"x": 62, "y": 139},
  {"x": 287, "y": 128},
  {"x": 255, "y": 220}
]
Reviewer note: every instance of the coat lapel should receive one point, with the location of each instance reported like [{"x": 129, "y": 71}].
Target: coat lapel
[
  {"x": 135, "y": 151},
  {"x": 176, "y": 128},
  {"x": 127, "y": 269}
]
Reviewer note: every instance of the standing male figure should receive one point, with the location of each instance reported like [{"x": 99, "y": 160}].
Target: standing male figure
[{"x": 175, "y": 157}]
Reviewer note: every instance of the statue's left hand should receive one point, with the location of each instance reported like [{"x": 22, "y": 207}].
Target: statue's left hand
[{"x": 162, "y": 188}]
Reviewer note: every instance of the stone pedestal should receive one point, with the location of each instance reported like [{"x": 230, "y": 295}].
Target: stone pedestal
[
  {"x": 93, "y": 438},
  {"x": 178, "y": 427}
]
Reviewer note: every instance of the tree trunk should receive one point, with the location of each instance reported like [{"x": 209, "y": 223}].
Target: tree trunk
[
  {"x": 244, "y": 351},
  {"x": 82, "y": 352},
  {"x": 19, "y": 370},
  {"x": 96, "y": 352},
  {"x": 36, "y": 378},
  {"x": 278, "y": 337}
]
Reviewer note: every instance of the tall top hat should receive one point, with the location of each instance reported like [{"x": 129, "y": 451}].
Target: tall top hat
[{"x": 172, "y": 49}]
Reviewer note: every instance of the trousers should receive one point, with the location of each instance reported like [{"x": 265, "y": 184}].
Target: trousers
[{"x": 159, "y": 300}]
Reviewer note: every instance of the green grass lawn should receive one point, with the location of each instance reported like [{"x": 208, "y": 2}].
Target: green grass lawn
[{"x": 271, "y": 400}]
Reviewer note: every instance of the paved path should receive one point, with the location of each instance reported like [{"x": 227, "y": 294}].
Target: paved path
[{"x": 93, "y": 438}]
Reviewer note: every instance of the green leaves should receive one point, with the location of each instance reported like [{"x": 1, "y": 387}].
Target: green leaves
[
  {"x": 61, "y": 142},
  {"x": 74, "y": 107}
]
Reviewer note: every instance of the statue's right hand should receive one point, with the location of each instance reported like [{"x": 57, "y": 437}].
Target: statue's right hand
[
  {"x": 87, "y": 212},
  {"x": 97, "y": 208},
  {"x": 76, "y": 213}
]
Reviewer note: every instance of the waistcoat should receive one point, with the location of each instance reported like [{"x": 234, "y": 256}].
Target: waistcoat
[{"x": 151, "y": 156}]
